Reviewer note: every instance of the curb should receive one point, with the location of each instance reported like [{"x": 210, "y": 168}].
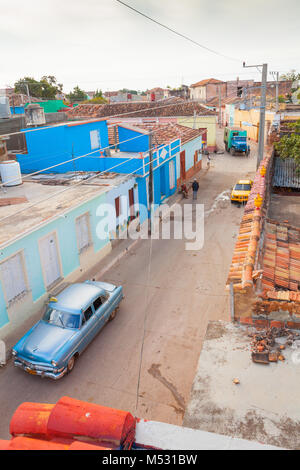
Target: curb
[{"x": 116, "y": 259}]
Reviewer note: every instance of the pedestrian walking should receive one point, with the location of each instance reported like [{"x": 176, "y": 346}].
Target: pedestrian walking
[
  {"x": 208, "y": 161},
  {"x": 195, "y": 187}
]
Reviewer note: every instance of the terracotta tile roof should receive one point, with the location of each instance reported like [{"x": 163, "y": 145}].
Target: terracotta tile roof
[
  {"x": 225, "y": 100},
  {"x": 166, "y": 133},
  {"x": 170, "y": 107},
  {"x": 281, "y": 262},
  {"x": 247, "y": 245},
  {"x": 154, "y": 90},
  {"x": 163, "y": 133},
  {"x": 208, "y": 81}
]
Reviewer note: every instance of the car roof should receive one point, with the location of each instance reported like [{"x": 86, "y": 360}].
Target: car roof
[
  {"x": 77, "y": 297},
  {"x": 244, "y": 182}
]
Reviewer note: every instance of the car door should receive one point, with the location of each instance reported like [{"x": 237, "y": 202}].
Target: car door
[
  {"x": 103, "y": 309},
  {"x": 88, "y": 326}
]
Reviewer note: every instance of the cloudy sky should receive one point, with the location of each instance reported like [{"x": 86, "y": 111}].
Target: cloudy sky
[{"x": 103, "y": 44}]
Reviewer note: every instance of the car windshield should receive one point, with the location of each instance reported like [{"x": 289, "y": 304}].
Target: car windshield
[
  {"x": 242, "y": 187},
  {"x": 60, "y": 318}
]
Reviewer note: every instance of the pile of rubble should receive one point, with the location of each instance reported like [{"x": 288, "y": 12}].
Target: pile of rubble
[{"x": 268, "y": 345}]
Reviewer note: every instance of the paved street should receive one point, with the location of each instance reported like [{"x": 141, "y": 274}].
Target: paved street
[{"x": 170, "y": 312}]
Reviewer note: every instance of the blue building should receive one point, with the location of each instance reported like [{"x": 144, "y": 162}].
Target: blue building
[
  {"x": 84, "y": 146},
  {"x": 49, "y": 146}
]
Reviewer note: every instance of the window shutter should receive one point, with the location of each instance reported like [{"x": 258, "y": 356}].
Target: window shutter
[
  {"x": 172, "y": 174},
  {"x": 95, "y": 139},
  {"x": 13, "y": 277},
  {"x": 82, "y": 230}
]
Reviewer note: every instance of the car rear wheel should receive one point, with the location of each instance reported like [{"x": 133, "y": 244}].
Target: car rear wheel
[
  {"x": 71, "y": 364},
  {"x": 113, "y": 314}
]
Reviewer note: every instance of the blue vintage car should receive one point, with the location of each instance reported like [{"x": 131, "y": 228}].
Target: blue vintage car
[{"x": 70, "y": 322}]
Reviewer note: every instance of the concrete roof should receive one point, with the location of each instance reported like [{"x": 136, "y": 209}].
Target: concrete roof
[
  {"x": 264, "y": 407},
  {"x": 38, "y": 208}
]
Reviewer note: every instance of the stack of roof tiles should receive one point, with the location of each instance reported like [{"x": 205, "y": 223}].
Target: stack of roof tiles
[
  {"x": 241, "y": 272},
  {"x": 281, "y": 265},
  {"x": 69, "y": 425},
  {"x": 169, "y": 107}
]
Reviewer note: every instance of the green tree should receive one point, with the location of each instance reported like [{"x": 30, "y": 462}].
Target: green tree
[
  {"x": 289, "y": 145},
  {"x": 126, "y": 90},
  {"x": 77, "y": 94},
  {"x": 46, "y": 88},
  {"x": 292, "y": 75},
  {"x": 96, "y": 100},
  {"x": 98, "y": 94}
]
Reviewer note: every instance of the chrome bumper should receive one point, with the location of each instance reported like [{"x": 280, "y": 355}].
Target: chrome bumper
[{"x": 42, "y": 373}]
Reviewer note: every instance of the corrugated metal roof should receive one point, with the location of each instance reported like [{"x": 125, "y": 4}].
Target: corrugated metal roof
[{"x": 285, "y": 175}]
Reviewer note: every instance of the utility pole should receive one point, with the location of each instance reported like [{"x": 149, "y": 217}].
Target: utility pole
[
  {"x": 27, "y": 90},
  {"x": 262, "y": 119},
  {"x": 219, "y": 89},
  {"x": 277, "y": 83},
  {"x": 150, "y": 187}
]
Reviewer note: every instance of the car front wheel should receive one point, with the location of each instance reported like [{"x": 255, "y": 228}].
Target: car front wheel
[{"x": 71, "y": 364}]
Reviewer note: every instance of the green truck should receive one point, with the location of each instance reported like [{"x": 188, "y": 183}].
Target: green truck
[{"x": 235, "y": 140}]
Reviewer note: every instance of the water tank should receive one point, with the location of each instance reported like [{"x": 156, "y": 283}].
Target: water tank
[
  {"x": 34, "y": 115},
  {"x": 4, "y": 107},
  {"x": 10, "y": 173}
]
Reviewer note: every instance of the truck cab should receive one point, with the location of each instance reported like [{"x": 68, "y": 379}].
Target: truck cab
[{"x": 235, "y": 140}]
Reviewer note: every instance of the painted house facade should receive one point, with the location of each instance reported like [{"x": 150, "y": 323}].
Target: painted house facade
[
  {"x": 207, "y": 89},
  {"x": 132, "y": 157},
  {"x": 54, "y": 243}
]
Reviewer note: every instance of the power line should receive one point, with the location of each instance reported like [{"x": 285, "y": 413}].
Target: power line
[
  {"x": 98, "y": 150},
  {"x": 92, "y": 177},
  {"x": 70, "y": 160},
  {"x": 176, "y": 32}
]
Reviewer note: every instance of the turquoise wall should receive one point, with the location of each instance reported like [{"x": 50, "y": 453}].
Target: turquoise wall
[{"x": 67, "y": 245}]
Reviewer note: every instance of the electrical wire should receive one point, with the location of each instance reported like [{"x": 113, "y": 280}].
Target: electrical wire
[
  {"x": 177, "y": 33},
  {"x": 97, "y": 150},
  {"x": 92, "y": 177}
]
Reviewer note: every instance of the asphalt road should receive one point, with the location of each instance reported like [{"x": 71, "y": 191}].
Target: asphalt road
[{"x": 170, "y": 295}]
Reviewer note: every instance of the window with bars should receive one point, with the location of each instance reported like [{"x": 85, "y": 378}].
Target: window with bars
[
  {"x": 83, "y": 232},
  {"x": 13, "y": 277}
]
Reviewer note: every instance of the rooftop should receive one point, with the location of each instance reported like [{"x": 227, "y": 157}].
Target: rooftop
[
  {"x": 164, "y": 133},
  {"x": 207, "y": 81},
  {"x": 169, "y": 107},
  {"x": 78, "y": 425},
  {"x": 21, "y": 211},
  {"x": 264, "y": 406},
  {"x": 281, "y": 261}
]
